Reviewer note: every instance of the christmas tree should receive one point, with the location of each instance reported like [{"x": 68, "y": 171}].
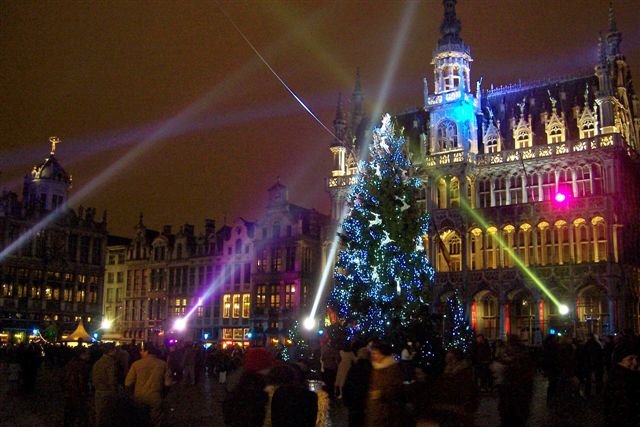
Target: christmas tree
[
  {"x": 382, "y": 272},
  {"x": 458, "y": 334}
]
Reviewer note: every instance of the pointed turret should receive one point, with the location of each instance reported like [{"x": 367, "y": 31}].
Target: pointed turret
[
  {"x": 339, "y": 123},
  {"x": 614, "y": 37},
  {"x": 357, "y": 101},
  {"x": 450, "y": 27}
]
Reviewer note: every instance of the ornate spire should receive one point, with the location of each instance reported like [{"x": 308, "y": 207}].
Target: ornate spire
[
  {"x": 614, "y": 37},
  {"x": 450, "y": 27},
  {"x": 613, "y": 28},
  {"x": 339, "y": 123}
]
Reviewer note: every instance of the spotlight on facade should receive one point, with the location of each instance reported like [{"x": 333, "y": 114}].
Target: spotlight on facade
[
  {"x": 563, "y": 309},
  {"x": 106, "y": 324},
  {"x": 309, "y": 323},
  {"x": 180, "y": 324},
  {"x": 560, "y": 197}
]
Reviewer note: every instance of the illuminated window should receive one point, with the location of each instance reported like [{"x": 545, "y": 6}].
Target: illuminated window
[
  {"x": 508, "y": 233},
  {"x": 227, "y": 333},
  {"x": 492, "y": 247},
  {"x": 599, "y": 239},
  {"x": 556, "y": 134},
  {"x": 582, "y": 241},
  {"x": 236, "y": 306},
  {"x": 274, "y": 296},
  {"x": 454, "y": 193},
  {"x": 491, "y": 144},
  {"x": 289, "y": 295},
  {"x": 523, "y": 138},
  {"x": 226, "y": 306},
  {"x": 261, "y": 296},
  {"x": 246, "y": 305},
  {"x": 583, "y": 180},
  {"x": 475, "y": 250}
]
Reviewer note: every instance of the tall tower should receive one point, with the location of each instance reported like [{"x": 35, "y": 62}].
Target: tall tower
[
  {"x": 452, "y": 107},
  {"x": 47, "y": 186},
  {"x": 350, "y": 131}
]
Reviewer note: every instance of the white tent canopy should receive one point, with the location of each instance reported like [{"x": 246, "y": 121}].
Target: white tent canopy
[{"x": 79, "y": 334}]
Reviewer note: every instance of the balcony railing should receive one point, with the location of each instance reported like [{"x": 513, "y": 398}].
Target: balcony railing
[{"x": 529, "y": 153}]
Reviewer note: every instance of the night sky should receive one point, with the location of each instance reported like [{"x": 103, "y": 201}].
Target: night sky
[{"x": 163, "y": 108}]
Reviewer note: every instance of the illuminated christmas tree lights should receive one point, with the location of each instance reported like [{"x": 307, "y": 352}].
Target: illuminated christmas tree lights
[{"x": 382, "y": 272}]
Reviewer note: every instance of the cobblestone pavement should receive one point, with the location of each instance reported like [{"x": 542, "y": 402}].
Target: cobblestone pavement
[{"x": 201, "y": 405}]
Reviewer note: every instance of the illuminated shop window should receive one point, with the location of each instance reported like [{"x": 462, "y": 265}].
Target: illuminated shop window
[
  {"x": 226, "y": 306},
  {"x": 236, "y": 306},
  {"x": 246, "y": 305}
]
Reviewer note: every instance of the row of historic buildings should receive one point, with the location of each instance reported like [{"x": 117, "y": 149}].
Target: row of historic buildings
[{"x": 523, "y": 184}]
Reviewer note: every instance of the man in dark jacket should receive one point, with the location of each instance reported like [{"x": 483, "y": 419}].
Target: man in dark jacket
[{"x": 356, "y": 388}]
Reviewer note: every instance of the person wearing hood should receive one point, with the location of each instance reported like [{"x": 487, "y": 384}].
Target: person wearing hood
[{"x": 385, "y": 406}]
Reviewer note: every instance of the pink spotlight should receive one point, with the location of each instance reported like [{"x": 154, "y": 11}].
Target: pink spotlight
[{"x": 560, "y": 197}]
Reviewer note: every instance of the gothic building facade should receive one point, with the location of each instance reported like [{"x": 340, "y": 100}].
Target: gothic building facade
[
  {"x": 524, "y": 185},
  {"x": 52, "y": 258}
]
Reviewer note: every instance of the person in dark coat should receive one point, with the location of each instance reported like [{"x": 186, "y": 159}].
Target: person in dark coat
[
  {"x": 516, "y": 390},
  {"x": 246, "y": 405},
  {"x": 454, "y": 399},
  {"x": 76, "y": 389},
  {"x": 622, "y": 391},
  {"x": 385, "y": 402},
  {"x": 292, "y": 403},
  {"x": 356, "y": 388}
]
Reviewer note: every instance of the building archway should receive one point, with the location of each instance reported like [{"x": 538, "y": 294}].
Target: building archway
[
  {"x": 592, "y": 311},
  {"x": 485, "y": 314},
  {"x": 523, "y": 316}
]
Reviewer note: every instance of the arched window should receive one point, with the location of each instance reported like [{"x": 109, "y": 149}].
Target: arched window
[
  {"x": 599, "y": 239},
  {"x": 446, "y": 136},
  {"x": 563, "y": 244},
  {"x": 492, "y": 247},
  {"x": 523, "y": 138},
  {"x": 475, "y": 249},
  {"x": 544, "y": 239},
  {"x": 582, "y": 243},
  {"x": 556, "y": 133},
  {"x": 238, "y": 246},
  {"x": 454, "y": 193},
  {"x": 442, "y": 193},
  {"x": 588, "y": 129},
  {"x": 508, "y": 236},
  {"x": 524, "y": 244},
  {"x": 451, "y": 77},
  {"x": 491, "y": 144}
]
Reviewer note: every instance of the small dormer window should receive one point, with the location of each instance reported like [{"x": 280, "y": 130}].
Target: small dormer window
[
  {"x": 556, "y": 134},
  {"x": 588, "y": 129},
  {"x": 523, "y": 138},
  {"x": 491, "y": 144}
]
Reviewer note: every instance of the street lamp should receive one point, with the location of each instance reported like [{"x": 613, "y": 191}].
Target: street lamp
[
  {"x": 309, "y": 323},
  {"x": 106, "y": 324}
]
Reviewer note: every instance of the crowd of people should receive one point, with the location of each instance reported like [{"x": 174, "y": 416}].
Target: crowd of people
[{"x": 109, "y": 385}]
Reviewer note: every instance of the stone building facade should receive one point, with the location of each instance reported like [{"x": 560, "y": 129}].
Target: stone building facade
[
  {"x": 52, "y": 258},
  {"x": 524, "y": 185}
]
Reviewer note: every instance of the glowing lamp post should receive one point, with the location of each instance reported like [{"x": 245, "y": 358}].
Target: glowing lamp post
[
  {"x": 180, "y": 324},
  {"x": 309, "y": 323},
  {"x": 106, "y": 324}
]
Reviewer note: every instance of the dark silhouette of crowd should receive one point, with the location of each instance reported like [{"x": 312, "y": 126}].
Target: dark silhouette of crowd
[{"x": 379, "y": 385}]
